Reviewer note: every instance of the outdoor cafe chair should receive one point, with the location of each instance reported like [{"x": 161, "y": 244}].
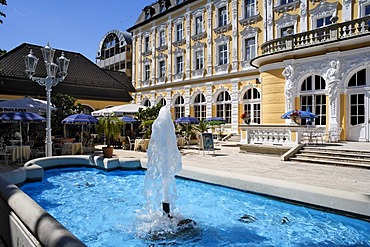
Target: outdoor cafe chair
[
  {"x": 5, "y": 152},
  {"x": 131, "y": 143}
]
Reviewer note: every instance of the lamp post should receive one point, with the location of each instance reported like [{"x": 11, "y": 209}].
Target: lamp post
[{"x": 55, "y": 73}]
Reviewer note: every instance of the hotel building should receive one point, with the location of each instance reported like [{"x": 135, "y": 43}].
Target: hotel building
[{"x": 224, "y": 58}]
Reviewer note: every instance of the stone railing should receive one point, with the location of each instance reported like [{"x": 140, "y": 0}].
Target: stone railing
[
  {"x": 280, "y": 135},
  {"x": 333, "y": 32}
]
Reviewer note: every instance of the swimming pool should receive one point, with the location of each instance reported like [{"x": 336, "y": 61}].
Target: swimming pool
[{"x": 104, "y": 208}]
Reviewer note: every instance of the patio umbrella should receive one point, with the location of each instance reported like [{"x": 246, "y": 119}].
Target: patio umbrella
[
  {"x": 25, "y": 117},
  {"x": 80, "y": 119},
  {"x": 128, "y": 119},
  {"x": 215, "y": 119},
  {"x": 119, "y": 110},
  {"x": 301, "y": 114},
  {"x": 187, "y": 120},
  {"x": 26, "y": 104}
]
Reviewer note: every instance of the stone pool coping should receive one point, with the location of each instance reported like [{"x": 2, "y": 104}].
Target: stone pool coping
[{"x": 30, "y": 223}]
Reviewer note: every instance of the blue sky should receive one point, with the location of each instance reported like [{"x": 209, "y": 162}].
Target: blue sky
[{"x": 74, "y": 25}]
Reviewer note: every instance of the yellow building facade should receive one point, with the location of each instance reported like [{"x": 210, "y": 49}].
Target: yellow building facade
[{"x": 263, "y": 58}]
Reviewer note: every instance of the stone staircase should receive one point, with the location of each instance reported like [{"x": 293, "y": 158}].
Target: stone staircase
[{"x": 333, "y": 156}]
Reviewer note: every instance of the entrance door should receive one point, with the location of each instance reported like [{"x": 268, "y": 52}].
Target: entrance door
[{"x": 358, "y": 117}]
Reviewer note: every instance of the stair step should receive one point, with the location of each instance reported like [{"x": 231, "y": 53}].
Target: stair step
[
  {"x": 366, "y": 152},
  {"x": 332, "y": 153},
  {"x": 329, "y": 162},
  {"x": 331, "y": 157}
]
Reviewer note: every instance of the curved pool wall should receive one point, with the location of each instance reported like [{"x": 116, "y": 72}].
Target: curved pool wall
[{"x": 26, "y": 223}]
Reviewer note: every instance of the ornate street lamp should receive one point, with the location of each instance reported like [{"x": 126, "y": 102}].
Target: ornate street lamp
[{"x": 55, "y": 74}]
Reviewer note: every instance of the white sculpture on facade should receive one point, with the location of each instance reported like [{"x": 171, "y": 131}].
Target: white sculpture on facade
[
  {"x": 332, "y": 80},
  {"x": 288, "y": 73}
]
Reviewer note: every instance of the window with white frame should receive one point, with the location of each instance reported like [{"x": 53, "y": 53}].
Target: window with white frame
[
  {"x": 250, "y": 48},
  {"x": 286, "y": 25},
  {"x": 179, "y": 32},
  {"x": 322, "y": 13},
  {"x": 162, "y": 68},
  {"x": 357, "y": 110},
  {"x": 161, "y": 101},
  {"x": 367, "y": 10},
  {"x": 199, "y": 24},
  {"x": 179, "y": 64},
  {"x": 222, "y": 16},
  {"x": 179, "y": 107},
  {"x": 358, "y": 79},
  {"x": 363, "y": 8},
  {"x": 162, "y": 38},
  {"x": 199, "y": 58},
  {"x": 146, "y": 72},
  {"x": 200, "y": 106},
  {"x": 222, "y": 54},
  {"x": 250, "y": 8},
  {"x": 313, "y": 98},
  {"x": 252, "y": 105},
  {"x": 146, "y": 43},
  {"x": 223, "y": 106}
]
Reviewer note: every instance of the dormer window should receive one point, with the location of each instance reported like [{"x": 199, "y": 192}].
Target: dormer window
[
  {"x": 147, "y": 15},
  {"x": 149, "y": 12},
  {"x": 163, "y": 7},
  {"x": 179, "y": 1}
]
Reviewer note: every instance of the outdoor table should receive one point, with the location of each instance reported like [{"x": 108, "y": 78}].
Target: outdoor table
[
  {"x": 181, "y": 141},
  {"x": 72, "y": 148},
  {"x": 18, "y": 152}
]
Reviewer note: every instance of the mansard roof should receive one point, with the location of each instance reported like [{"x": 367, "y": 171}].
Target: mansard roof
[
  {"x": 155, "y": 11},
  {"x": 85, "y": 80}
]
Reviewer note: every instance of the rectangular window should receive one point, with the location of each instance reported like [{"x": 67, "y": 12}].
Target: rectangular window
[
  {"x": 147, "y": 72},
  {"x": 162, "y": 38},
  {"x": 180, "y": 65},
  {"x": 199, "y": 24},
  {"x": 322, "y": 22},
  {"x": 199, "y": 60},
  {"x": 179, "y": 32},
  {"x": 250, "y": 6},
  {"x": 162, "y": 69},
  {"x": 222, "y": 16},
  {"x": 357, "y": 109},
  {"x": 200, "y": 112},
  {"x": 222, "y": 53},
  {"x": 250, "y": 49},
  {"x": 146, "y": 45},
  {"x": 367, "y": 10},
  {"x": 286, "y": 1}
]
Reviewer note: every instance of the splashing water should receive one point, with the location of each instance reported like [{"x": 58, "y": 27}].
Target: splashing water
[{"x": 164, "y": 162}]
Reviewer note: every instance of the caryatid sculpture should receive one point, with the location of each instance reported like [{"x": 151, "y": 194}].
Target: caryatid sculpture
[
  {"x": 288, "y": 73},
  {"x": 332, "y": 80}
]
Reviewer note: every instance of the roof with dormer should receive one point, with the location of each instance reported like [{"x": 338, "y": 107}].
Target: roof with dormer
[{"x": 85, "y": 80}]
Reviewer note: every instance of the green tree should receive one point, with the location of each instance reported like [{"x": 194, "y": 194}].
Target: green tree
[
  {"x": 65, "y": 105},
  {"x": 2, "y": 52},
  {"x": 110, "y": 126},
  {"x": 147, "y": 117}
]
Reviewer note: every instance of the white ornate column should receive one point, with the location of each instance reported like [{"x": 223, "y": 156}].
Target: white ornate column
[
  {"x": 152, "y": 98},
  {"x": 168, "y": 97},
  {"x": 333, "y": 80},
  {"x": 234, "y": 106},
  {"x": 268, "y": 20},
  {"x": 234, "y": 10},
  {"x": 187, "y": 100},
  {"x": 347, "y": 10},
  {"x": 138, "y": 98},
  {"x": 188, "y": 51},
  {"x": 289, "y": 90},
  {"x": 169, "y": 42},
  {"x": 154, "y": 56},
  {"x": 133, "y": 67},
  {"x": 303, "y": 16},
  {"x": 139, "y": 64},
  {"x": 209, "y": 39},
  {"x": 209, "y": 94}
]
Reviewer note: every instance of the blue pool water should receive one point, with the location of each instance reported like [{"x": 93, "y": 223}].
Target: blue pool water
[{"x": 103, "y": 209}]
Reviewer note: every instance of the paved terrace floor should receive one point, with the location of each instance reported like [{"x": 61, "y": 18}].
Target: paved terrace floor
[{"x": 230, "y": 162}]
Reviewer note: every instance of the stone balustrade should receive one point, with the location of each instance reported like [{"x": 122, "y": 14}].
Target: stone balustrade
[{"x": 330, "y": 33}]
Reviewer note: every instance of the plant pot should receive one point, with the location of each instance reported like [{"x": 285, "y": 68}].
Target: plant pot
[{"x": 108, "y": 152}]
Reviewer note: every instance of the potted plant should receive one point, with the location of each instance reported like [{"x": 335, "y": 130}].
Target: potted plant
[{"x": 110, "y": 126}]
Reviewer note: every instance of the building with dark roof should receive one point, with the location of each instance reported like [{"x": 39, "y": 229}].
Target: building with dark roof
[
  {"x": 114, "y": 52},
  {"x": 92, "y": 86}
]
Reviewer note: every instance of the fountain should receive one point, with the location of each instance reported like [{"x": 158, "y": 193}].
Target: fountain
[{"x": 161, "y": 219}]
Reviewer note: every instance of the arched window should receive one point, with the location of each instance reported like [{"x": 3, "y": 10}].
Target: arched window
[
  {"x": 313, "y": 98},
  {"x": 252, "y": 105},
  {"x": 110, "y": 46},
  {"x": 200, "y": 106},
  {"x": 87, "y": 109},
  {"x": 162, "y": 102},
  {"x": 223, "y": 106},
  {"x": 147, "y": 103},
  {"x": 179, "y": 107}
]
